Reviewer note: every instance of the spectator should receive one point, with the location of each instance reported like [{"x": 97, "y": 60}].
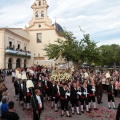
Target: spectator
[
  {"x": 10, "y": 114},
  {"x": 4, "y": 106}
]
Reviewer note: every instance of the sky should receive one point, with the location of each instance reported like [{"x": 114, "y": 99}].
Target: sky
[{"x": 99, "y": 18}]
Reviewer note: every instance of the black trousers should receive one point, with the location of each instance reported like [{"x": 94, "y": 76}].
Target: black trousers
[
  {"x": 64, "y": 104},
  {"x": 91, "y": 98},
  {"x": 13, "y": 78},
  {"x": 104, "y": 87},
  {"x": 99, "y": 97},
  {"x": 57, "y": 98},
  {"x": 84, "y": 100},
  {"x": 28, "y": 99},
  {"x": 110, "y": 98},
  {"x": 116, "y": 93},
  {"x": 52, "y": 98},
  {"x": 74, "y": 102},
  {"x": 16, "y": 91},
  {"x": 35, "y": 115},
  {"x": 21, "y": 96}
]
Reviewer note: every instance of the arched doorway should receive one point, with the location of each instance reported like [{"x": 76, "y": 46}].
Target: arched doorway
[
  {"x": 10, "y": 63},
  {"x": 18, "y": 63},
  {"x": 25, "y": 63}
]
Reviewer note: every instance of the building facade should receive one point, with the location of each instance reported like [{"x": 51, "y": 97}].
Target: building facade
[{"x": 24, "y": 47}]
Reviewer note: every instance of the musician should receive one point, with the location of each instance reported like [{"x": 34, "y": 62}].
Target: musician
[
  {"x": 13, "y": 76},
  {"x": 52, "y": 88},
  {"x": 16, "y": 85},
  {"x": 64, "y": 97},
  {"x": 36, "y": 104},
  {"x": 57, "y": 95},
  {"x": 34, "y": 79},
  {"x": 110, "y": 91},
  {"x": 91, "y": 96},
  {"x": 99, "y": 90},
  {"x": 41, "y": 88},
  {"x": 74, "y": 98},
  {"x": 27, "y": 98},
  {"x": 84, "y": 96},
  {"x": 21, "y": 92},
  {"x": 46, "y": 83}
]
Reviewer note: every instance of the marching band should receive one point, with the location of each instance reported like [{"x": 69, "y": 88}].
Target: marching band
[{"x": 75, "y": 94}]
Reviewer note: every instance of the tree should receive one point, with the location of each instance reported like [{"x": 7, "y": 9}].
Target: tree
[
  {"x": 110, "y": 54},
  {"x": 74, "y": 50}
]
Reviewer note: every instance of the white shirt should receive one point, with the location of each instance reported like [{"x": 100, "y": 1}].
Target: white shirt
[
  {"x": 21, "y": 86},
  {"x": 13, "y": 74},
  {"x": 58, "y": 89},
  {"x": 103, "y": 81},
  {"x": 28, "y": 90},
  {"x": 39, "y": 100}
]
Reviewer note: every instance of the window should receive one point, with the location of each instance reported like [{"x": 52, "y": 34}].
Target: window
[
  {"x": 36, "y": 14},
  {"x": 25, "y": 48},
  {"x": 39, "y": 37},
  {"x": 18, "y": 46},
  {"x": 42, "y": 14},
  {"x": 39, "y": 3}
]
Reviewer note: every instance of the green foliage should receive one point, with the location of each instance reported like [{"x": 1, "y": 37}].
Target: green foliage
[
  {"x": 74, "y": 50},
  {"x": 83, "y": 50},
  {"x": 110, "y": 54}
]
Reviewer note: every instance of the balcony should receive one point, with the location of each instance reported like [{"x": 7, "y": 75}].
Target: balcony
[{"x": 18, "y": 52}]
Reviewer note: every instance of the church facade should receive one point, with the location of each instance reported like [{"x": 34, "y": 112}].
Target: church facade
[{"x": 24, "y": 47}]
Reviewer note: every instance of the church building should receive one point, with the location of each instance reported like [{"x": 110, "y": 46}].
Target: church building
[{"x": 24, "y": 47}]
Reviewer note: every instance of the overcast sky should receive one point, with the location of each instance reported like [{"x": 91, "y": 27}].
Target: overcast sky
[{"x": 99, "y": 18}]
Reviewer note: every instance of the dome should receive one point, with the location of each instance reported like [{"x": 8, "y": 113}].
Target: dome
[{"x": 59, "y": 29}]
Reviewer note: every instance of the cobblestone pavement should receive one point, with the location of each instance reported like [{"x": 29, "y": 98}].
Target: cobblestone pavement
[{"x": 48, "y": 114}]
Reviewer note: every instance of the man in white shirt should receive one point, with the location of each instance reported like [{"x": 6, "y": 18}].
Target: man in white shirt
[
  {"x": 13, "y": 75},
  {"x": 36, "y": 104}
]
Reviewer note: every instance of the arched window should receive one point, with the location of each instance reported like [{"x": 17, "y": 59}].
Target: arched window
[
  {"x": 10, "y": 63},
  {"x": 25, "y": 63},
  {"x": 36, "y": 14},
  {"x": 39, "y": 3},
  {"x": 42, "y": 14},
  {"x": 18, "y": 63}
]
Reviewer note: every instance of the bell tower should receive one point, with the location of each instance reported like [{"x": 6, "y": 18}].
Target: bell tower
[
  {"x": 40, "y": 13},
  {"x": 40, "y": 9}
]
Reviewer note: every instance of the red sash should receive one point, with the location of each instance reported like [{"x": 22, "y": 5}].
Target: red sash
[
  {"x": 57, "y": 95},
  {"x": 39, "y": 107},
  {"x": 91, "y": 94},
  {"x": 83, "y": 96},
  {"x": 28, "y": 94},
  {"x": 62, "y": 98},
  {"x": 46, "y": 87}
]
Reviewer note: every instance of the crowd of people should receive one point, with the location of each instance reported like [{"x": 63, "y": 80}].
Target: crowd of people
[
  {"x": 6, "y": 106},
  {"x": 85, "y": 86},
  {"x": 4, "y": 73}
]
